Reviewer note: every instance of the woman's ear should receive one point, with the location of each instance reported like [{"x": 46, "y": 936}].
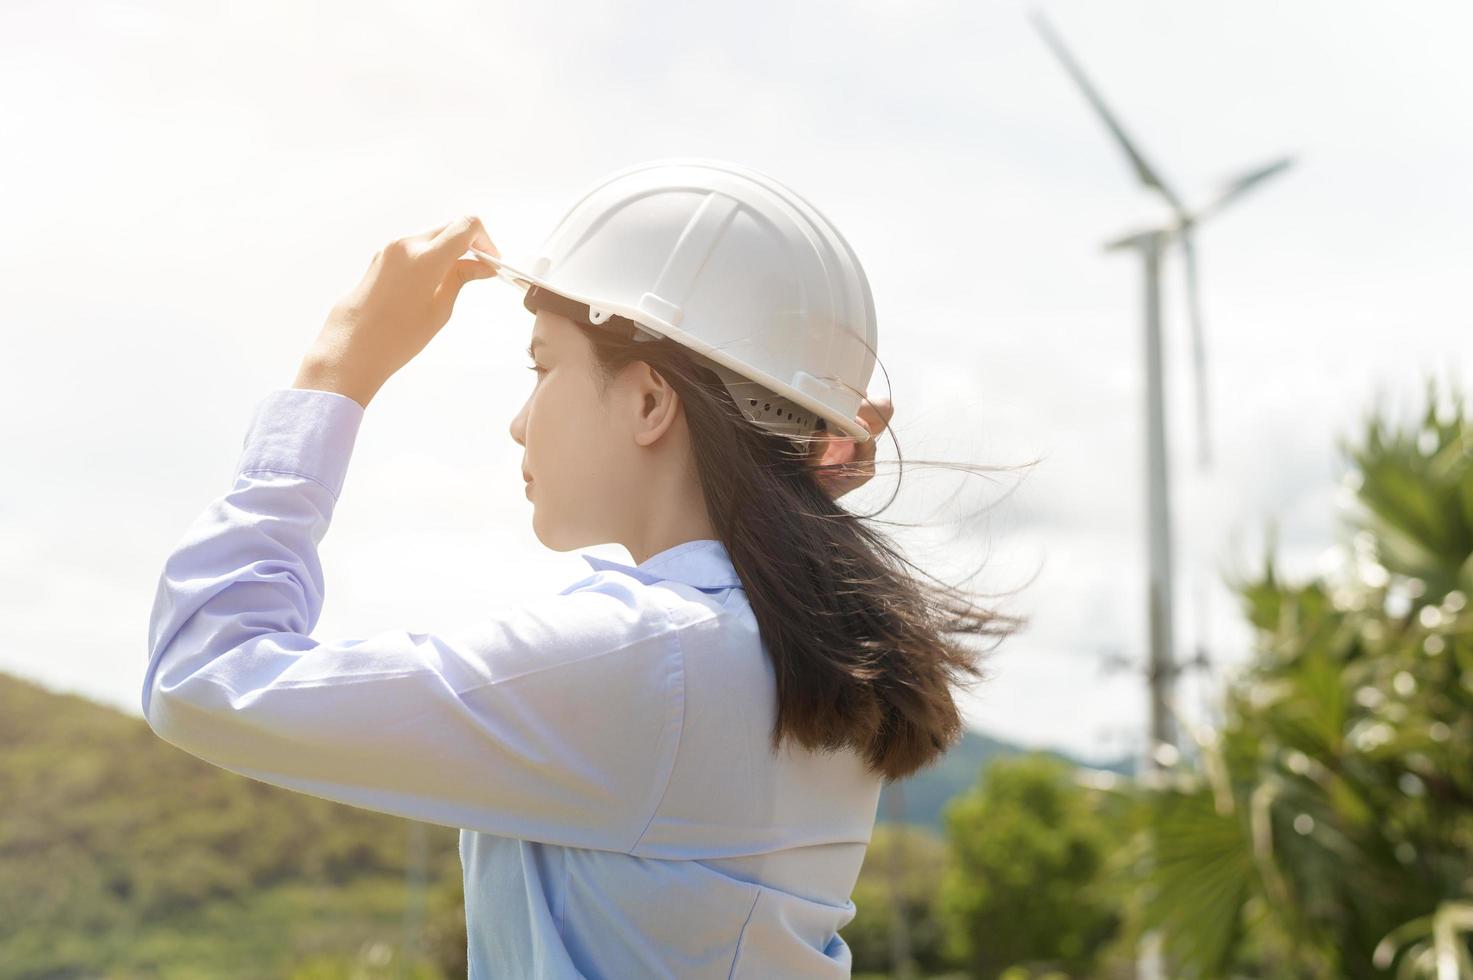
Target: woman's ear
[{"x": 657, "y": 404}]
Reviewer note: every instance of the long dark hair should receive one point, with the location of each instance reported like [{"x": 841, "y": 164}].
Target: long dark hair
[{"x": 865, "y": 652}]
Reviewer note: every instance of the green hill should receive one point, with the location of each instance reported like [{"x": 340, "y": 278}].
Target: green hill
[
  {"x": 925, "y": 793},
  {"x": 122, "y": 856}
]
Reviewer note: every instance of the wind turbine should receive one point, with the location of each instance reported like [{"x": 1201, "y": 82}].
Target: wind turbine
[
  {"x": 1151, "y": 243},
  {"x": 1182, "y": 229}
]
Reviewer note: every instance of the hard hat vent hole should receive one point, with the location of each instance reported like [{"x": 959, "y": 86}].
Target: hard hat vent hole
[{"x": 773, "y": 413}]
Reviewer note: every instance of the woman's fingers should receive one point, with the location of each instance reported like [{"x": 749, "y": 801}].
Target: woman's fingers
[
  {"x": 873, "y": 415},
  {"x": 468, "y": 269},
  {"x": 847, "y": 463},
  {"x": 452, "y": 241},
  {"x": 876, "y": 414},
  {"x": 425, "y": 237}
]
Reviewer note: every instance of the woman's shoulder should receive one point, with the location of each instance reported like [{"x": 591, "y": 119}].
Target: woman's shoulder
[{"x": 668, "y": 603}]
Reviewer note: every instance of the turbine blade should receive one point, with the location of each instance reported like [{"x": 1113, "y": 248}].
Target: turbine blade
[
  {"x": 1148, "y": 175},
  {"x": 1240, "y": 185},
  {"x": 1199, "y": 356}
]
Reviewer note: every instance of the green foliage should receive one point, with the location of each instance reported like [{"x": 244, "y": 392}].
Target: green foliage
[
  {"x": 916, "y": 858},
  {"x": 1024, "y": 973},
  {"x": 125, "y": 857},
  {"x": 1332, "y": 814},
  {"x": 1027, "y": 883}
]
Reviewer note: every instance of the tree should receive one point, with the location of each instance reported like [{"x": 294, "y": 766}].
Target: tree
[
  {"x": 923, "y": 857},
  {"x": 1026, "y": 886},
  {"x": 1327, "y": 830}
]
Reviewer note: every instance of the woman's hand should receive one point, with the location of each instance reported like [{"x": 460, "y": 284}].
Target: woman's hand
[
  {"x": 849, "y": 464},
  {"x": 404, "y": 299}
]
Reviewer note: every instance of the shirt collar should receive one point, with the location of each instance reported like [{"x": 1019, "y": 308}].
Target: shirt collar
[{"x": 703, "y": 563}]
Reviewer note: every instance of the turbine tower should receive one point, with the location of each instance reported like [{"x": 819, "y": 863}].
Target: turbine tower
[{"x": 1151, "y": 243}]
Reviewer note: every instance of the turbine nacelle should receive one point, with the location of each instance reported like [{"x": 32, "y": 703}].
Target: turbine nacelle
[{"x": 1160, "y": 220}]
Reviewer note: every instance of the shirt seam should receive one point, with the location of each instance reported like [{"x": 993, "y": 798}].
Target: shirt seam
[
  {"x": 679, "y": 735},
  {"x": 543, "y": 668},
  {"x": 344, "y": 679},
  {"x": 562, "y": 901},
  {"x": 281, "y": 471},
  {"x": 336, "y": 680},
  {"x": 737, "y": 955}
]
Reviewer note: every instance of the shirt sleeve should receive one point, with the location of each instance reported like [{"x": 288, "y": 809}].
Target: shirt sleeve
[{"x": 554, "y": 721}]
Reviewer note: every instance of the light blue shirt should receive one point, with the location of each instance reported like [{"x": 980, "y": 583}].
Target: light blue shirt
[{"x": 605, "y": 750}]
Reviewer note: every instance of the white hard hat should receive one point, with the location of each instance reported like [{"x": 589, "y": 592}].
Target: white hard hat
[{"x": 732, "y": 265}]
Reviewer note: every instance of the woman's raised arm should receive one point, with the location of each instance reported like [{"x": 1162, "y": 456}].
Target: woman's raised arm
[{"x": 554, "y": 721}]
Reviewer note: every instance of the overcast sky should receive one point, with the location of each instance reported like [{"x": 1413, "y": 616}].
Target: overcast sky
[{"x": 187, "y": 189}]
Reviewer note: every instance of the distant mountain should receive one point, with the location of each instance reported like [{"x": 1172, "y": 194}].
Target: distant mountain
[
  {"x": 928, "y": 791},
  {"x": 122, "y": 856}
]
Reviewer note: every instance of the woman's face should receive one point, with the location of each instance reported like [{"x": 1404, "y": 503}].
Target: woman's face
[{"x": 574, "y": 454}]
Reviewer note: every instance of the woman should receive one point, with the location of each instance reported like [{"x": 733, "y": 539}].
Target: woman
[{"x": 669, "y": 768}]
